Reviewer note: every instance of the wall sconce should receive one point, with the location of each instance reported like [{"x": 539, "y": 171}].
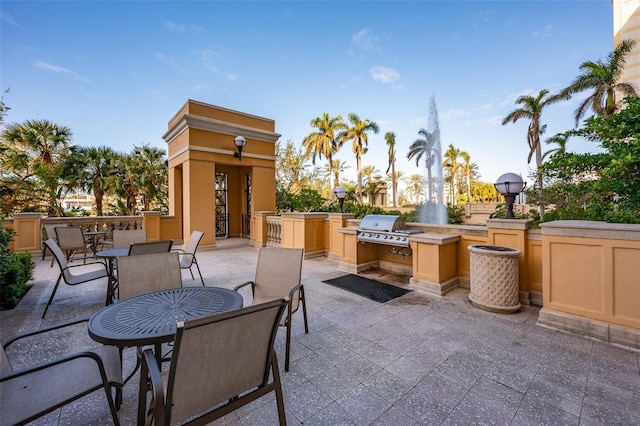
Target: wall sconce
[
  {"x": 509, "y": 185},
  {"x": 240, "y": 143},
  {"x": 340, "y": 193}
]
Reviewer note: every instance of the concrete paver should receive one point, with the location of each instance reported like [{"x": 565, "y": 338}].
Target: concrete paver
[{"x": 418, "y": 359}]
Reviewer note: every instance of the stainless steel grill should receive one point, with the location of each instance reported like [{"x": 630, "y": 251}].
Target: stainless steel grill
[{"x": 385, "y": 229}]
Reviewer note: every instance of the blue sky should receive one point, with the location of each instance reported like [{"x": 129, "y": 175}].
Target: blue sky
[{"x": 115, "y": 72}]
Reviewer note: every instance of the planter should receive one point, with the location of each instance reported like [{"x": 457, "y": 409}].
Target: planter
[{"x": 494, "y": 278}]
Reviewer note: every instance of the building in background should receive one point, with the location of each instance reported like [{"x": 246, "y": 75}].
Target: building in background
[{"x": 626, "y": 25}]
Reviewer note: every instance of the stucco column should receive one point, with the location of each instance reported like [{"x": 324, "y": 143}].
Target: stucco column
[
  {"x": 28, "y": 230},
  {"x": 337, "y": 221},
  {"x": 259, "y": 228},
  {"x": 151, "y": 224},
  {"x": 198, "y": 181}
]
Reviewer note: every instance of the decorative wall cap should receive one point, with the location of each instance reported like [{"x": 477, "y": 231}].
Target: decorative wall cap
[
  {"x": 592, "y": 229},
  {"x": 517, "y": 224},
  {"x": 437, "y": 239},
  {"x": 304, "y": 215}
]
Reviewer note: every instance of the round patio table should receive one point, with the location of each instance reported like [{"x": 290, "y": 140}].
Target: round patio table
[{"x": 151, "y": 319}]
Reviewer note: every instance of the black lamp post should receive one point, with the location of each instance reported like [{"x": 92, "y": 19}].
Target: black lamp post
[
  {"x": 509, "y": 185},
  {"x": 240, "y": 143},
  {"x": 340, "y": 193}
]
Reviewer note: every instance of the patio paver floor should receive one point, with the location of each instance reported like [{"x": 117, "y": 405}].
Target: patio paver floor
[{"x": 414, "y": 360}]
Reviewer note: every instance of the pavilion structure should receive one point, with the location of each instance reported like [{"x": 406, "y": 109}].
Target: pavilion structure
[{"x": 221, "y": 169}]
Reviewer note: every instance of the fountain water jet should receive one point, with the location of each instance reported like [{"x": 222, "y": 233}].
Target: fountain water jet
[{"x": 435, "y": 209}]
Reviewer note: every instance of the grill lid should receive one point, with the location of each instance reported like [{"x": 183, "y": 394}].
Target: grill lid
[{"x": 382, "y": 223}]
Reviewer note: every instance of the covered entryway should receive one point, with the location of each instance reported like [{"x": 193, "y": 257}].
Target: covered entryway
[{"x": 212, "y": 188}]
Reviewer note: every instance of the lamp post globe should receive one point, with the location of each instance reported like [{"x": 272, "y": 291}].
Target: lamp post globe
[
  {"x": 340, "y": 192},
  {"x": 509, "y": 185}
]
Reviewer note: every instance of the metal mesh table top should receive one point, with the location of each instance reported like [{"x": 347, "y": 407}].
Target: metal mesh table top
[{"x": 151, "y": 318}]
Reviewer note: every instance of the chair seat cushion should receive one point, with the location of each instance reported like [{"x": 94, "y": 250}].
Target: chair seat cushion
[
  {"x": 31, "y": 394},
  {"x": 101, "y": 272}
]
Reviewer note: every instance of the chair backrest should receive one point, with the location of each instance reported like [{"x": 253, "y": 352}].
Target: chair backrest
[
  {"x": 219, "y": 357},
  {"x": 147, "y": 273},
  {"x": 59, "y": 256},
  {"x": 278, "y": 271},
  {"x": 194, "y": 240},
  {"x": 151, "y": 247},
  {"x": 70, "y": 237},
  {"x": 124, "y": 238},
  {"x": 49, "y": 229}
]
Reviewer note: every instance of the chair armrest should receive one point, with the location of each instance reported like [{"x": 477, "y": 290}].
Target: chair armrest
[
  {"x": 150, "y": 373},
  {"x": 253, "y": 286},
  {"x": 58, "y": 361},
  {"x": 44, "y": 330},
  {"x": 293, "y": 290}
]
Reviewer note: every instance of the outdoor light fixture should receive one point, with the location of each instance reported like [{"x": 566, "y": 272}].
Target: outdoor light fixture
[
  {"x": 240, "y": 143},
  {"x": 341, "y": 193},
  {"x": 510, "y": 185}
]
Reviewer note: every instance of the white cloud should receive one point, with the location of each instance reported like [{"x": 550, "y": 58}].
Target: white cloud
[
  {"x": 172, "y": 26},
  {"x": 365, "y": 39},
  {"x": 453, "y": 113},
  {"x": 384, "y": 74},
  {"x": 8, "y": 19},
  {"x": 545, "y": 32},
  {"x": 59, "y": 70},
  {"x": 210, "y": 59},
  {"x": 158, "y": 94},
  {"x": 169, "y": 59}
]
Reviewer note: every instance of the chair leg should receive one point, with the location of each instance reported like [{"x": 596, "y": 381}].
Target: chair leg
[
  {"x": 304, "y": 309},
  {"x": 199, "y": 273},
  {"x": 278, "y": 388},
  {"x": 288, "y": 345},
  {"x": 53, "y": 293}
]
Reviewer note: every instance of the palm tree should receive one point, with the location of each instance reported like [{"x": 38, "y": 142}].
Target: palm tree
[
  {"x": 290, "y": 169},
  {"x": 35, "y": 150},
  {"x": 358, "y": 135},
  {"x": 324, "y": 142},
  {"x": 415, "y": 186},
  {"x": 339, "y": 166},
  {"x": 151, "y": 172},
  {"x": 393, "y": 180},
  {"x": 561, "y": 140},
  {"x": 425, "y": 147},
  {"x": 390, "y": 138},
  {"x": 467, "y": 170},
  {"x": 452, "y": 165},
  {"x": 94, "y": 176},
  {"x": 531, "y": 108},
  {"x": 604, "y": 80}
]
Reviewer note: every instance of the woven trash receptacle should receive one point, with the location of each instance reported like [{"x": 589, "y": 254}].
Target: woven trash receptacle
[{"x": 494, "y": 278}]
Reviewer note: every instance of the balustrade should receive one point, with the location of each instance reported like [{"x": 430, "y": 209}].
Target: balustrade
[{"x": 274, "y": 231}]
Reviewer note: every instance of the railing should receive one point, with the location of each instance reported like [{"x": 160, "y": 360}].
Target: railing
[
  {"x": 274, "y": 231},
  {"x": 98, "y": 223}
]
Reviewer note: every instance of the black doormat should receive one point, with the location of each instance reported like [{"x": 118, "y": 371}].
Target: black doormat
[{"x": 365, "y": 287}]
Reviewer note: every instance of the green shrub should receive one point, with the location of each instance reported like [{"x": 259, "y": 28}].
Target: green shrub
[{"x": 16, "y": 269}]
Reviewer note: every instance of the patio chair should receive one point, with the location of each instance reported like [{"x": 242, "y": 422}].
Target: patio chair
[
  {"x": 124, "y": 238},
  {"x": 220, "y": 363},
  {"x": 188, "y": 254},
  {"x": 146, "y": 273},
  {"x": 49, "y": 230},
  {"x": 32, "y": 392},
  {"x": 162, "y": 246},
  {"x": 278, "y": 275},
  {"x": 71, "y": 240},
  {"x": 66, "y": 274}
]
